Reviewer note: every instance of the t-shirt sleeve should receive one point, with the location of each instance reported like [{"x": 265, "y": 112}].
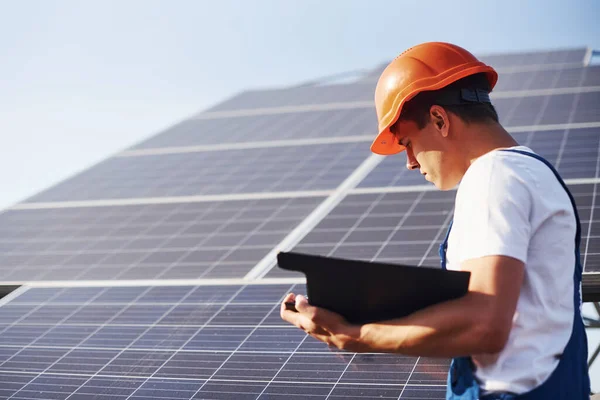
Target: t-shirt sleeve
[{"x": 493, "y": 210}]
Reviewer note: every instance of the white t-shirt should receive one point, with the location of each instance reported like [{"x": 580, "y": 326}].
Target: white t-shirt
[{"x": 513, "y": 205}]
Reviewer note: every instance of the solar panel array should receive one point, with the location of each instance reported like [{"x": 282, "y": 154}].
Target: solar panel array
[{"x": 202, "y": 208}]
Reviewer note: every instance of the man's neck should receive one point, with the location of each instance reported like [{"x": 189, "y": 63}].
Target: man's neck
[{"x": 486, "y": 138}]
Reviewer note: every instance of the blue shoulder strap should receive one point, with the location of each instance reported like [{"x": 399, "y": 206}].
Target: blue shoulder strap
[{"x": 564, "y": 185}]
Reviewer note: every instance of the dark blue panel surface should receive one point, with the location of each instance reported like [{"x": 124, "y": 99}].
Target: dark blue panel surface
[
  {"x": 240, "y": 349},
  {"x": 291, "y": 168},
  {"x": 573, "y": 152},
  {"x": 190, "y": 240},
  {"x": 407, "y": 228},
  {"x": 267, "y": 126}
]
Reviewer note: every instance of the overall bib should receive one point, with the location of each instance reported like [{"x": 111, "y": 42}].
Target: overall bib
[{"x": 570, "y": 379}]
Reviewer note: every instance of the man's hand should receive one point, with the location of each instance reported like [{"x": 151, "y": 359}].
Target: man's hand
[
  {"x": 477, "y": 323},
  {"x": 324, "y": 325}
]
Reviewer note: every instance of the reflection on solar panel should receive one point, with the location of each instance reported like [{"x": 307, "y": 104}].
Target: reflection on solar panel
[
  {"x": 351, "y": 111},
  {"x": 567, "y": 56},
  {"x": 539, "y": 77},
  {"x": 266, "y": 169},
  {"x": 265, "y": 127},
  {"x": 212, "y": 197},
  {"x": 508, "y": 62}
]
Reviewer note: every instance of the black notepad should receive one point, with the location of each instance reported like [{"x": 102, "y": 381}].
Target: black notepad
[{"x": 372, "y": 291}]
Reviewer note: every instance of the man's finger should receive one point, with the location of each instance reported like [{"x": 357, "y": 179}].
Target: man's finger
[
  {"x": 290, "y": 316},
  {"x": 290, "y": 298},
  {"x": 302, "y": 303}
]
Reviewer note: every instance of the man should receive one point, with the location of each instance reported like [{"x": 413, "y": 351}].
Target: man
[{"x": 518, "y": 333}]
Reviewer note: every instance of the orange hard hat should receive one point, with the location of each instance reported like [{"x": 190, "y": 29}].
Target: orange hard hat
[{"x": 427, "y": 66}]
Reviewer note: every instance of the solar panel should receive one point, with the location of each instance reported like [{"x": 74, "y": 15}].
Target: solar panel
[
  {"x": 265, "y": 127},
  {"x": 566, "y": 56},
  {"x": 509, "y": 61},
  {"x": 565, "y": 77},
  {"x": 167, "y": 241},
  {"x": 549, "y": 109},
  {"x": 301, "y": 95},
  {"x": 518, "y": 110},
  {"x": 198, "y": 343},
  {"x": 407, "y": 227},
  {"x": 574, "y": 152},
  {"x": 272, "y": 124},
  {"x": 211, "y": 198},
  {"x": 265, "y": 169},
  {"x": 541, "y": 77}
]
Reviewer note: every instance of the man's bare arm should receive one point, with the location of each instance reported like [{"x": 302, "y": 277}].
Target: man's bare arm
[{"x": 479, "y": 322}]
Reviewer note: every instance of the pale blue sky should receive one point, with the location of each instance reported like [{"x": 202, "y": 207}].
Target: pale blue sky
[{"x": 81, "y": 79}]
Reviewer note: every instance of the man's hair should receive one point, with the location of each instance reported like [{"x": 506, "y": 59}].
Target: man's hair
[{"x": 417, "y": 109}]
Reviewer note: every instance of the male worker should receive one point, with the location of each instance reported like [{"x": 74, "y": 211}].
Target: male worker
[{"x": 518, "y": 333}]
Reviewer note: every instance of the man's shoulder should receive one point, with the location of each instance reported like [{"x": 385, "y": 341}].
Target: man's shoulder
[{"x": 499, "y": 167}]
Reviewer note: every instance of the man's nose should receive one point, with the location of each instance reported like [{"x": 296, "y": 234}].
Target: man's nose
[{"x": 411, "y": 161}]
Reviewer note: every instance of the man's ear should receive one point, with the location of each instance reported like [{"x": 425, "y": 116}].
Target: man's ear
[{"x": 440, "y": 119}]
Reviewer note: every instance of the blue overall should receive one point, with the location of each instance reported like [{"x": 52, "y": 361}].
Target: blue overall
[{"x": 570, "y": 379}]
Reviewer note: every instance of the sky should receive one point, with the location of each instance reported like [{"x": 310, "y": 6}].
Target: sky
[{"x": 83, "y": 80}]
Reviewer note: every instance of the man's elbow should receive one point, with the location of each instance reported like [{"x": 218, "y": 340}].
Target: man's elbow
[{"x": 492, "y": 336}]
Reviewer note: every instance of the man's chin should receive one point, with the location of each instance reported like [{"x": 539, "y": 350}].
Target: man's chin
[{"x": 444, "y": 186}]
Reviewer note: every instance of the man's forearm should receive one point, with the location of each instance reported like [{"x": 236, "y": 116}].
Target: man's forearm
[{"x": 450, "y": 329}]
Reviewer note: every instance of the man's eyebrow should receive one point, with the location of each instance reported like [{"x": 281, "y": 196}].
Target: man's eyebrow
[{"x": 395, "y": 133}]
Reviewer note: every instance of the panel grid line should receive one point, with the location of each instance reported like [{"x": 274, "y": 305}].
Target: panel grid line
[
  {"x": 126, "y": 348},
  {"x": 340, "y": 377},
  {"x": 90, "y": 300},
  {"x": 188, "y": 340},
  {"x": 132, "y": 377},
  {"x": 570, "y": 119},
  {"x": 594, "y": 193},
  {"x": 277, "y": 304},
  {"x": 282, "y": 366}
]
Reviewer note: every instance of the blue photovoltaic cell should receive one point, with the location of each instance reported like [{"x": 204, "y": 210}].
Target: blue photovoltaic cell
[
  {"x": 573, "y": 152},
  {"x": 553, "y": 109},
  {"x": 521, "y": 110},
  {"x": 516, "y": 60},
  {"x": 159, "y": 241},
  {"x": 553, "y": 78},
  {"x": 238, "y": 349},
  {"x": 279, "y": 169},
  {"x": 543, "y": 78},
  {"x": 407, "y": 228},
  {"x": 566, "y": 56},
  {"x": 361, "y": 120},
  {"x": 298, "y": 96},
  {"x": 265, "y": 127}
]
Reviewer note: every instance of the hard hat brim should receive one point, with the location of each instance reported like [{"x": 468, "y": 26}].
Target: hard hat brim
[{"x": 386, "y": 144}]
